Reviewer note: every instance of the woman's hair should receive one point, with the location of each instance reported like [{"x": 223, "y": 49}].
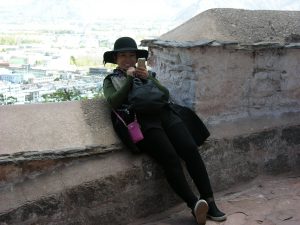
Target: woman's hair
[{"x": 115, "y": 59}]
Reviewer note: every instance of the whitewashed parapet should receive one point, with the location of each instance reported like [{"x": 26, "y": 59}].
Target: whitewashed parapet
[{"x": 227, "y": 81}]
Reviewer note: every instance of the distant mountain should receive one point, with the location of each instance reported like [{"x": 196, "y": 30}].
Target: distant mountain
[
  {"x": 39, "y": 11},
  {"x": 176, "y": 11},
  {"x": 56, "y": 11},
  {"x": 187, "y": 12}
]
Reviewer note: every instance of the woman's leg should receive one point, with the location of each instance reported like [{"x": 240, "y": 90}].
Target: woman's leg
[
  {"x": 157, "y": 144},
  {"x": 188, "y": 151}
]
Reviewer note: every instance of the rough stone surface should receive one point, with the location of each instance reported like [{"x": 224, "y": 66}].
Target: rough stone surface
[
  {"x": 96, "y": 190},
  {"x": 242, "y": 26},
  {"x": 230, "y": 84},
  {"x": 117, "y": 187},
  {"x": 272, "y": 200},
  {"x": 67, "y": 127}
]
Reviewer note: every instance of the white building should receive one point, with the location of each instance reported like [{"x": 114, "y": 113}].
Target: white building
[{"x": 7, "y": 75}]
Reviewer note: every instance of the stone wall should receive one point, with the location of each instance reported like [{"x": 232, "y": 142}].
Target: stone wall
[
  {"x": 101, "y": 182},
  {"x": 55, "y": 127},
  {"x": 224, "y": 82},
  {"x": 61, "y": 163},
  {"x": 96, "y": 187}
]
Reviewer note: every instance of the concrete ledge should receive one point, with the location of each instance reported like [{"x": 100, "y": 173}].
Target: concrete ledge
[
  {"x": 117, "y": 187},
  {"x": 62, "y": 164},
  {"x": 55, "y": 127}
]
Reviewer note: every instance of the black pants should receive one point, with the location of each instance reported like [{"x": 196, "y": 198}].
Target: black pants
[{"x": 167, "y": 147}]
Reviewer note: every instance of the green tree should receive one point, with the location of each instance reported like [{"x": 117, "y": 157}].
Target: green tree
[
  {"x": 11, "y": 100},
  {"x": 63, "y": 95},
  {"x": 98, "y": 93},
  {"x": 17, "y": 39},
  {"x": 73, "y": 60},
  {"x": 8, "y": 101},
  {"x": 2, "y": 99},
  {"x": 82, "y": 61},
  {"x": 8, "y": 40}
]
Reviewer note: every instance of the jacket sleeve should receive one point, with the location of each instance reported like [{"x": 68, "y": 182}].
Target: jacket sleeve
[{"x": 116, "y": 98}]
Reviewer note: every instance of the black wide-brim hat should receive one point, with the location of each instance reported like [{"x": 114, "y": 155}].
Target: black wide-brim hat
[{"x": 124, "y": 44}]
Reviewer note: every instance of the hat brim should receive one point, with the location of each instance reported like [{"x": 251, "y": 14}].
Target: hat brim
[{"x": 109, "y": 56}]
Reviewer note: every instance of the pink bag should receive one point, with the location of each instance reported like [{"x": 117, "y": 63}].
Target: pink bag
[{"x": 133, "y": 129}]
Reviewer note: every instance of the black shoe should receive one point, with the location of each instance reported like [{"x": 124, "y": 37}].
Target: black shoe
[
  {"x": 214, "y": 213},
  {"x": 200, "y": 211}
]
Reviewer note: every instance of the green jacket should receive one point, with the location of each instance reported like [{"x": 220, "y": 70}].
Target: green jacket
[{"x": 118, "y": 97}]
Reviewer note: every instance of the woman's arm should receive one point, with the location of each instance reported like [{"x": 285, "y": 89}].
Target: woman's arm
[{"x": 116, "y": 98}]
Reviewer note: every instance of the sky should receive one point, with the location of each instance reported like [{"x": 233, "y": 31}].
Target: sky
[
  {"x": 161, "y": 8},
  {"x": 169, "y": 8}
]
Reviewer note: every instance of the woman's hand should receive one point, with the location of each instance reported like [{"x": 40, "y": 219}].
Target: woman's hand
[
  {"x": 141, "y": 73},
  {"x": 137, "y": 72},
  {"x": 130, "y": 71}
]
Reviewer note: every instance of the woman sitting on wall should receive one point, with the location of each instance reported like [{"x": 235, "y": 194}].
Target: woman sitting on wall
[{"x": 165, "y": 137}]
